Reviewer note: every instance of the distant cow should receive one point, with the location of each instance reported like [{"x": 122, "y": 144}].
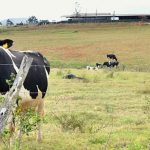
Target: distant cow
[
  {"x": 112, "y": 56},
  {"x": 91, "y": 68},
  {"x": 111, "y": 64},
  {"x": 72, "y": 76},
  {"x": 106, "y": 64},
  {"x": 114, "y": 64},
  {"x": 7, "y": 43},
  {"x": 98, "y": 65},
  {"x": 35, "y": 85}
]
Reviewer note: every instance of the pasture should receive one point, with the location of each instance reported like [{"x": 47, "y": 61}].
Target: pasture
[
  {"x": 110, "y": 108},
  {"x": 78, "y": 45}
]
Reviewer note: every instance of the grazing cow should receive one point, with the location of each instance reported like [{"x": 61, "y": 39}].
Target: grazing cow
[
  {"x": 112, "y": 56},
  {"x": 35, "y": 84},
  {"x": 7, "y": 43}
]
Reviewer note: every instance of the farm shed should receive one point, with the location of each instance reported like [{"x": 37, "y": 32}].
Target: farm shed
[{"x": 106, "y": 17}]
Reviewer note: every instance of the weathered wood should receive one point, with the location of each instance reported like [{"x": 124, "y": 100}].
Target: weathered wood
[{"x": 10, "y": 98}]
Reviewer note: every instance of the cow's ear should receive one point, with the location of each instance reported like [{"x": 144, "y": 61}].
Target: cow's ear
[{"x": 5, "y": 45}]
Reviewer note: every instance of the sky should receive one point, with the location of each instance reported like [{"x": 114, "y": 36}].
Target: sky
[{"x": 54, "y": 9}]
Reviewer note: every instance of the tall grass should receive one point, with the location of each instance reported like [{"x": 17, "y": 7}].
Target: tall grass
[{"x": 110, "y": 111}]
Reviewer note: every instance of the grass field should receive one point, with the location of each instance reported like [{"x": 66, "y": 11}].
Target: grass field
[
  {"x": 110, "y": 109},
  {"x": 79, "y": 45}
]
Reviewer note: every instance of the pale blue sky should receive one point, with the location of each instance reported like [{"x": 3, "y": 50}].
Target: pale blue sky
[{"x": 54, "y": 9}]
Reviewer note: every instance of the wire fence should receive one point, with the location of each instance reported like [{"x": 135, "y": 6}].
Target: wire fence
[
  {"x": 63, "y": 110},
  {"x": 121, "y": 67},
  {"x": 19, "y": 65}
]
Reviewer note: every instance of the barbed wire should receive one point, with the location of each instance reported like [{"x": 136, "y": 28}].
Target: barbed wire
[
  {"x": 19, "y": 65},
  {"x": 127, "y": 65}
]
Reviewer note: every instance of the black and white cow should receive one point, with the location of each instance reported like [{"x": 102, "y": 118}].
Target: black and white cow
[
  {"x": 112, "y": 56},
  {"x": 91, "y": 68},
  {"x": 114, "y": 64},
  {"x": 106, "y": 64},
  {"x": 111, "y": 64},
  {"x": 35, "y": 84},
  {"x": 98, "y": 65}
]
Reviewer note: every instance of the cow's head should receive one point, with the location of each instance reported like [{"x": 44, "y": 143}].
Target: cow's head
[{"x": 6, "y": 43}]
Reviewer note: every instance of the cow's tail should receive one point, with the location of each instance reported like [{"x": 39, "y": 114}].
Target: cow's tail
[
  {"x": 47, "y": 69},
  {"x": 47, "y": 65}
]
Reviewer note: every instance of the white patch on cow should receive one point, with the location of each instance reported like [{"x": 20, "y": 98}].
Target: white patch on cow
[
  {"x": 46, "y": 73},
  {"x": 91, "y": 68},
  {"x": 27, "y": 51},
  {"x": 25, "y": 94},
  {"x": 11, "y": 55},
  {"x": 15, "y": 67},
  {"x": 87, "y": 67}
]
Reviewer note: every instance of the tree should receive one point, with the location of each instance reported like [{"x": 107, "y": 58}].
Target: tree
[
  {"x": 0, "y": 23},
  {"x": 9, "y": 23},
  {"x": 32, "y": 20},
  {"x": 20, "y": 24}
]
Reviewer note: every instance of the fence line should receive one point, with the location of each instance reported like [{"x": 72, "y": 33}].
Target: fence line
[
  {"x": 127, "y": 65},
  {"x": 19, "y": 65}
]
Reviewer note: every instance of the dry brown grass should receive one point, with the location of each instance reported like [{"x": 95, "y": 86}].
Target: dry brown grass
[{"x": 86, "y": 43}]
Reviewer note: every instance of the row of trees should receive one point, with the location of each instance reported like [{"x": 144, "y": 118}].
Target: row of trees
[
  {"x": 34, "y": 21},
  {"x": 31, "y": 20}
]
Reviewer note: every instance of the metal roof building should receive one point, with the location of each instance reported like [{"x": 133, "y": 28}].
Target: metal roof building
[{"x": 107, "y": 17}]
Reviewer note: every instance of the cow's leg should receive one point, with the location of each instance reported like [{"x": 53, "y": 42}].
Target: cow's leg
[{"x": 40, "y": 110}]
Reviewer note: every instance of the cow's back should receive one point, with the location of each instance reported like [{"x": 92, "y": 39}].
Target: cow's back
[{"x": 37, "y": 78}]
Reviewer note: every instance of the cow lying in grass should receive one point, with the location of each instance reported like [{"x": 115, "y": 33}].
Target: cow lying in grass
[
  {"x": 110, "y": 64},
  {"x": 35, "y": 85},
  {"x": 98, "y": 65},
  {"x": 91, "y": 68},
  {"x": 72, "y": 76}
]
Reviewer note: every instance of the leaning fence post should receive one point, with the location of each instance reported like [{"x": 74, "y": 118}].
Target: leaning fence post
[{"x": 10, "y": 97}]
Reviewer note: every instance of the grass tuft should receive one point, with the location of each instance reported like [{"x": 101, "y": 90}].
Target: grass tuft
[{"x": 71, "y": 122}]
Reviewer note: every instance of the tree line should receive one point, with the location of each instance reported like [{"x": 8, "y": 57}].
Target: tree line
[{"x": 31, "y": 21}]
